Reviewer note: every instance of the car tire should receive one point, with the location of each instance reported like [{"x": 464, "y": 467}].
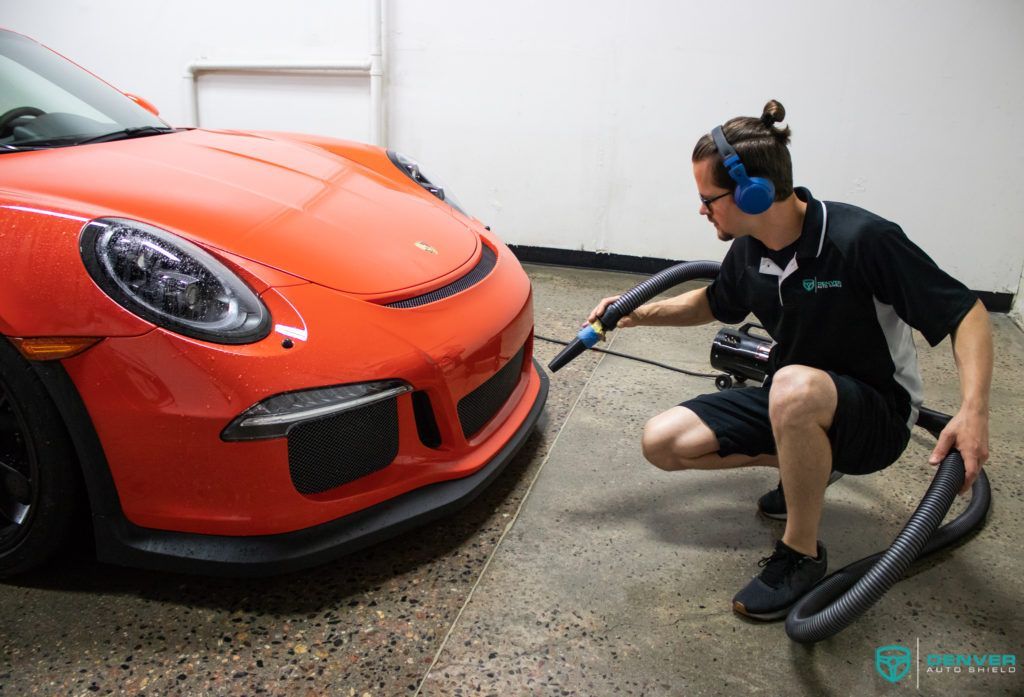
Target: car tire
[{"x": 40, "y": 490}]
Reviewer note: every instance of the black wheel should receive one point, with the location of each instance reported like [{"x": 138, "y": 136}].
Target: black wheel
[
  {"x": 723, "y": 382},
  {"x": 39, "y": 484}
]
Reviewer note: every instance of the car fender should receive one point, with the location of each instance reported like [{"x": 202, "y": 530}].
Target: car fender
[{"x": 63, "y": 302}]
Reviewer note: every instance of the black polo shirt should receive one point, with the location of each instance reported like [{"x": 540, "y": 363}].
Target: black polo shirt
[{"x": 844, "y": 300}]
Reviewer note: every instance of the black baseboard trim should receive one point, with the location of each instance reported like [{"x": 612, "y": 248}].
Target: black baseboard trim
[
  {"x": 591, "y": 260},
  {"x": 994, "y": 302}
]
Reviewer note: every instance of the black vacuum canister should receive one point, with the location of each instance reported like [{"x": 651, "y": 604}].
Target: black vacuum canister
[{"x": 740, "y": 353}]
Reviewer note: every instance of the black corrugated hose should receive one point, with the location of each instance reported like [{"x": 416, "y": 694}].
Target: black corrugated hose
[
  {"x": 840, "y": 598},
  {"x": 658, "y": 283},
  {"x": 632, "y": 299}
]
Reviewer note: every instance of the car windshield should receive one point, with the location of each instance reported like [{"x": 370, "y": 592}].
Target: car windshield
[{"x": 47, "y": 101}]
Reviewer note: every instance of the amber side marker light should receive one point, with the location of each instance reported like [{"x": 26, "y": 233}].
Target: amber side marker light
[{"x": 53, "y": 348}]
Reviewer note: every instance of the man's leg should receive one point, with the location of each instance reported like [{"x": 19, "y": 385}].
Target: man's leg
[
  {"x": 797, "y": 409},
  {"x": 677, "y": 439},
  {"x": 802, "y": 404}
]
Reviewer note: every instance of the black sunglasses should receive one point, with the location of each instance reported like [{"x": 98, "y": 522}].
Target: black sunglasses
[{"x": 708, "y": 201}]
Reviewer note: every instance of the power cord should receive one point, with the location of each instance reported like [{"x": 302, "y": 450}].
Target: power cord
[{"x": 709, "y": 376}]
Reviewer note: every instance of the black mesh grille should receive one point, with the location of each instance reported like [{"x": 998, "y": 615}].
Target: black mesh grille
[
  {"x": 480, "y": 405},
  {"x": 338, "y": 449},
  {"x": 477, "y": 274}
]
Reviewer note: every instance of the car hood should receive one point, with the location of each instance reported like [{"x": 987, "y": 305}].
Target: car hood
[{"x": 284, "y": 204}]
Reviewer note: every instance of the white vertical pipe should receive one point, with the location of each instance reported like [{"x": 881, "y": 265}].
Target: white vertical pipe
[
  {"x": 193, "y": 92},
  {"x": 377, "y": 130}
]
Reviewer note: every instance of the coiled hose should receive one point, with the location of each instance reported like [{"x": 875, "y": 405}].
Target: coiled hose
[
  {"x": 833, "y": 604},
  {"x": 840, "y": 598}
]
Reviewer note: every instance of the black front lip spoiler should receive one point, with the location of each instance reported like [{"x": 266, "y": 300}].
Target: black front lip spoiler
[{"x": 120, "y": 542}]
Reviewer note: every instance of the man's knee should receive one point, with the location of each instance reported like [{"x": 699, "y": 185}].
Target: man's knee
[
  {"x": 801, "y": 395},
  {"x": 673, "y": 438},
  {"x": 656, "y": 441}
]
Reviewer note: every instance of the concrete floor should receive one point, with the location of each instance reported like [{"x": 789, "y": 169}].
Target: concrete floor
[{"x": 582, "y": 571}]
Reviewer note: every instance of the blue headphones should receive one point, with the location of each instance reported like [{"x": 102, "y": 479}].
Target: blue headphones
[{"x": 753, "y": 195}]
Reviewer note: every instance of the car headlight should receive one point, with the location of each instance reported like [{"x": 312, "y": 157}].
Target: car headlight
[
  {"x": 412, "y": 169},
  {"x": 171, "y": 282}
]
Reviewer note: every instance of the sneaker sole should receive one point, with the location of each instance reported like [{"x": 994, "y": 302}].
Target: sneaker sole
[
  {"x": 739, "y": 609},
  {"x": 832, "y": 479}
]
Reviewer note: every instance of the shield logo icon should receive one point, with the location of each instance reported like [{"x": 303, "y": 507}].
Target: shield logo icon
[
  {"x": 809, "y": 284},
  {"x": 892, "y": 662}
]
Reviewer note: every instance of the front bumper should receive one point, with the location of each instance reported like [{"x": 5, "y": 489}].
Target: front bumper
[
  {"x": 159, "y": 404},
  {"x": 121, "y": 542}
]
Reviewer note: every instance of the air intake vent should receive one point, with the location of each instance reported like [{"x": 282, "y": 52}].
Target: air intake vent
[
  {"x": 426, "y": 424},
  {"x": 336, "y": 450},
  {"x": 477, "y": 274},
  {"x": 480, "y": 405}
]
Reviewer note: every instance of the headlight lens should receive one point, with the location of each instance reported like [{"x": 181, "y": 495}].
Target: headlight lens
[
  {"x": 171, "y": 282},
  {"x": 412, "y": 169}
]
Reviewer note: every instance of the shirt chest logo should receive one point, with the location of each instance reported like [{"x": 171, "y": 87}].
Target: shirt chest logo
[{"x": 813, "y": 285}]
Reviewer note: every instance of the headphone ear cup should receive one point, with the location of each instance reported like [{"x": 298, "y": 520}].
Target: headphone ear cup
[{"x": 754, "y": 196}]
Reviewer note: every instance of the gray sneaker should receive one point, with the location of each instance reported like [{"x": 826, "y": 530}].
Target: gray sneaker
[{"x": 773, "y": 504}]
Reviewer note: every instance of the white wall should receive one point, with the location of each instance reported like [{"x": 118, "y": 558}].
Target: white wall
[{"x": 570, "y": 123}]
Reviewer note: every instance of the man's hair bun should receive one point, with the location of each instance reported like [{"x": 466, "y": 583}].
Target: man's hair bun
[{"x": 773, "y": 113}]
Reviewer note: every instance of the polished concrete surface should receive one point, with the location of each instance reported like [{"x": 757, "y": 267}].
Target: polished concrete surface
[{"x": 582, "y": 571}]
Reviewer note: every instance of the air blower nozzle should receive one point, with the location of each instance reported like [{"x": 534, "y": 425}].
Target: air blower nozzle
[
  {"x": 586, "y": 338},
  {"x": 629, "y": 301}
]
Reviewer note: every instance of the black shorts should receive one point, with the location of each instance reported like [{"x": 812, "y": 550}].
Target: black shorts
[{"x": 866, "y": 433}]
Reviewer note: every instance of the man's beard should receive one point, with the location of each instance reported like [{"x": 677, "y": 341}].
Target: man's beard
[{"x": 723, "y": 235}]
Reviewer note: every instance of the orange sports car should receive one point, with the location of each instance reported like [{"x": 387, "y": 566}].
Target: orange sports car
[{"x": 237, "y": 352}]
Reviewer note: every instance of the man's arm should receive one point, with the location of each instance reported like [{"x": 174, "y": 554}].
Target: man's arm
[
  {"x": 968, "y": 429},
  {"x": 686, "y": 310}
]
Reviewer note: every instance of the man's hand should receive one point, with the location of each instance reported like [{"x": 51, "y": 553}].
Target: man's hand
[
  {"x": 686, "y": 310},
  {"x": 968, "y": 433},
  {"x": 629, "y": 320}
]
